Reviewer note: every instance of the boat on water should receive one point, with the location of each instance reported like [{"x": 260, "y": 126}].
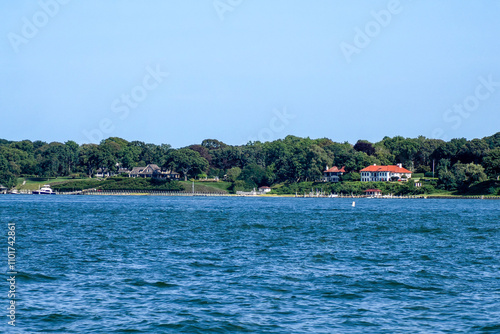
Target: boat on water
[{"x": 45, "y": 190}]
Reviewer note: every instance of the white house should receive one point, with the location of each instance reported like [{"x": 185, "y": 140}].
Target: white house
[
  {"x": 333, "y": 174},
  {"x": 264, "y": 189},
  {"x": 384, "y": 173}
]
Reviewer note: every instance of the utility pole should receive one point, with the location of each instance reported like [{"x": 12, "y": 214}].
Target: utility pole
[{"x": 433, "y": 167}]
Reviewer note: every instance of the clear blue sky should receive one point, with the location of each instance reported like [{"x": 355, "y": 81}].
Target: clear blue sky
[{"x": 242, "y": 70}]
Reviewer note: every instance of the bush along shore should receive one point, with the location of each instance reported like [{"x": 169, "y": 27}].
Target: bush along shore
[
  {"x": 118, "y": 183},
  {"x": 144, "y": 186},
  {"x": 288, "y": 166}
]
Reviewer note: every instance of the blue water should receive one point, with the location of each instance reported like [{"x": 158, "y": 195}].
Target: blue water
[{"x": 106, "y": 264}]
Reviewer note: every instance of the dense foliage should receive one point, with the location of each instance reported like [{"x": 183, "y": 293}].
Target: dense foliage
[
  {"x": 458, "y": 164},
  {"x": 120, "y": 183}
]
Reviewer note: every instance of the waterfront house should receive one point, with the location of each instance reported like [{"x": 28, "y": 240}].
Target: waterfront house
[
  {"x": 136, "y": 171},
  {"x": 122, "y": 170},
  {"x": 105, "y": 172},
  {"x": 333, "y": 174},
  {"x": 264, "y": 189},
  {"x": 168, "y": 174},
  {"x": 385, "y": 173},
  {"x": 373, "y": 192},
  {"x": 153, "y": 171},
  {"x": 3, "y": 189}
]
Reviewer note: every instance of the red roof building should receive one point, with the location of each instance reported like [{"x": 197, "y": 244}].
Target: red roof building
[
  {"x": 333, "y": 174},
  {"x": 384, "y": 173},
  {"x": 373, "y": 192},
  {"x": 264, "y": 189}
]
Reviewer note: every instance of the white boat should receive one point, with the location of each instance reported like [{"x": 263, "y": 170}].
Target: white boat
[{"x": 45, "y": 190}]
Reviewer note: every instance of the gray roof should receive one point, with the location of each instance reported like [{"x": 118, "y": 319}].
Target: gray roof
[
  {"x": 137, "y": 170},
  {"x": 149, "y": 169}
]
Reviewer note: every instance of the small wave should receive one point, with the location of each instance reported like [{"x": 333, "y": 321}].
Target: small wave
[
  {"x": 347, "y": 296},
  {"x": 360, "y": 323},
  {"x": 248, "y": 226},
  {"x": 493, "y": 328},
  {"x": 60, "y": 317},
  {"x": 158, "y": 284},
  {"x": 201, "y": 301},
  {"x": 416, "y": 308},
  {"x": 392, "y": 285},
  {"x": 325, "y": 257},
  {"x": 291, "y": 278},
  {"x": 425, "y": 229},
  {"x": 28, "y": 277},
  {"x": 198, "y": 264},
  {"x": 196, "y": 327}
]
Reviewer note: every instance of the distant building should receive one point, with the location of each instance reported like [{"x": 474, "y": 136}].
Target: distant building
[
  {"x": 384, "y": 173},
  {"x": 264, "y": 189},
  {"x": 3, "y": 189},
  {"x": 168, "y": 174},
  {"x": 153, "y": 171},
  {"x": 105, "y": 172},
  {"x": 122, "y": 170},
  {"x": 102, "y": 172},
  {"x": 333, "y": 174},
  {"x": 136, "y": 172},
  {"x": 373, "y": 192}
]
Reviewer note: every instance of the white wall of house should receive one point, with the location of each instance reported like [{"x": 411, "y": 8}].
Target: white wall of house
[
  {"x": 381, "y": 176},
  {"x": 331, "y": 177}
]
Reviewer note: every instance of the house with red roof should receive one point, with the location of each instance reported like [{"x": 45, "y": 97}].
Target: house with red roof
[
  {"x": 333, "y": 174},
  {"x": 373, "y": 192},
  {"x": 264, "y": 189},
  {"x": 384, "y": 173}
]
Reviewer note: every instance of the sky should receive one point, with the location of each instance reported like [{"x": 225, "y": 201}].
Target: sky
[{"x": 178, "y": 72}]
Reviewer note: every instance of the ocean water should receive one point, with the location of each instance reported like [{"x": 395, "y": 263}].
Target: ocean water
[{"x": 140, "y": 264}]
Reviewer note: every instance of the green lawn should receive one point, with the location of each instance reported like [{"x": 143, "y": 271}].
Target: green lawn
[
  {"x": 218, "y": 187},
  {"x": 34, "y": 183}
]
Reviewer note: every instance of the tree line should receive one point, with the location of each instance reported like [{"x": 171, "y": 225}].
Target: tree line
[{"x": 457, "y": 163}]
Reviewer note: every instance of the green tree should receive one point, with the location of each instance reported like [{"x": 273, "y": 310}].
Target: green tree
[
  {"x": 492, "y": 162},
  {"x": 71, "y": 155},
  {"x": 253, "y": 175},
  {"x": 468, "y": 174},
  {"x": 351, "y": 176},
  {"x": 233, "y": 173},
  {"x": 213, "y": 144},
  {"x": 364, "y": 146},
  {"x": 187, "y": 161},
  {"x": 447, "y": 179},
  {"x": 7, "y": 178},
  {"x": 89, "y": 158}
]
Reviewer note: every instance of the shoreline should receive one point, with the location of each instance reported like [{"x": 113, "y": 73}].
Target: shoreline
[{"x": 202, "y": 194}]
